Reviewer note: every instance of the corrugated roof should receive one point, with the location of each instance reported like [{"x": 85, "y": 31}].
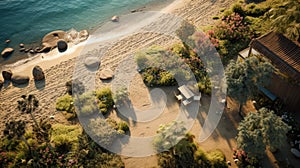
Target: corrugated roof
[{"x": 284, "y": 53}]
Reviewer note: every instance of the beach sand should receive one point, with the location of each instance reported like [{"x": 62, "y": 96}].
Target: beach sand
[{"x": 59, "y": 68}]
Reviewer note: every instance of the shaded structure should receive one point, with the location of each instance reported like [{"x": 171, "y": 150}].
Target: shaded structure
[{"x": 285, "y": 56}]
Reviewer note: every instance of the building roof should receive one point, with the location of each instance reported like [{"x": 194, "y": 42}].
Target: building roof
[{"x": 284, "y": 53}]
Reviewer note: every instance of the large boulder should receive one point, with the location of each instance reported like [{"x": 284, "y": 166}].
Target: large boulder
[
  {"x": 38, "y": 73},
  {"x": 7, "y": 74},
  {"x": 106, "y": 74},
  {"x": 6, "y": 52},
  {"x": 19, "y": 79},
  {"x": 50, "y": 39},
  {"x": 62, "y": 45},
  {"x": 92, "y": 62}
]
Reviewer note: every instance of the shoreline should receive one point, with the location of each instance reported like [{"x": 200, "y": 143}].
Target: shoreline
[
  {"x": 18, "y": 56},
  {"x": 52, "y": 58}
]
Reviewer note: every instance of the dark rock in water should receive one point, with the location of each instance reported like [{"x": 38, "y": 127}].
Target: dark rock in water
[
  {"x": 106, "y": 74},
  {"x": 6, "y": 52},
  {"x": 7, "y": 41},
  {"x": 38, "y": 73},
  {"x": 19, "y": 79},
  {"x": 26, "y": 50},
  {"x": 37, "y": 49},
  {"x": 62, "y": 45},
  {"x": 31, "y": 51},
  {"x": 22, "y": 49},
  {"x": 92, "y": 62},
  {"x": 21, "y": 45},
  {"x": 7, "y": 74}
]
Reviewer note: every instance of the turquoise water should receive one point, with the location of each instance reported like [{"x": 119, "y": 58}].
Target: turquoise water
[{"x": 27, "y": 21}]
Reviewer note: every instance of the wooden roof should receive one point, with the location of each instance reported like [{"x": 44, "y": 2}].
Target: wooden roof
[{"x": 284, "y": 53}]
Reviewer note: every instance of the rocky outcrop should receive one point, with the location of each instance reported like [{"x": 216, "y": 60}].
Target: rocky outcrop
[
  {"x": 19, "y": 79},
  {"x": 38, "y": 73},
  {"x": 50, "y": 40},
  {"x": 92, "y": 62},
  {"x": 62, "y": 45},
  {"x": 6, "y": 52},
  {"x": 83, "y": 35},
  {"x": 7, "y": 74},
  {"x": 106, "y": 74}
]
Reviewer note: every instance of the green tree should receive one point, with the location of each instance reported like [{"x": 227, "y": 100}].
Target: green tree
[
  {"x": 243, "y": 78},
  {"x": 259, "y": 130},
  {"x": 285, "y": 18}
]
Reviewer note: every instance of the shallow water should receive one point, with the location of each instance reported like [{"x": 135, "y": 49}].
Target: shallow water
[{"x": 27, "y": 21}]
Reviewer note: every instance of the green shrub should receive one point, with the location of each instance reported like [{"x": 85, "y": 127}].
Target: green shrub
[
  {"x": 237, "y": 8},
  {"x": 113, "y": 123},
  {"x": 123, "y": 126},
  {"x": 102, "y": 132},
  {"x": 65, "y": 138},
  {"x": 105, "y": 96},
  {"x": 217, "y": 158},
  {"x": 65, "y": 103},
  {"x": 201, "y": 159},
  {"x": 86, "y": 104},
  {"x": 121, "y": 95},
  {"x": 166, "y": 79}
]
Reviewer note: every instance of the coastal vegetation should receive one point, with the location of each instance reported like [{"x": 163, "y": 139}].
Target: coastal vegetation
[
  {"x": 59, "y": 145},
  {"x": 177, "y": 149}
]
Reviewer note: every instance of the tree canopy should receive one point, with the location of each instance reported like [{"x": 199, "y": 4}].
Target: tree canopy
[
  {"x": 259, "y": 130},
  {"x": 243, "y": 78}
]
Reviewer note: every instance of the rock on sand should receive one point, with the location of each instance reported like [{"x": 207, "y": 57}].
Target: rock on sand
[
  {"x": 62, "y": 45},
  {"x": 38, "y": 73},
  {"x": 106, "y": 74},
  {"x": 7, "y": 74},
  {"x": 19, "y": 79},
  {"x": 92, "y": 62}
]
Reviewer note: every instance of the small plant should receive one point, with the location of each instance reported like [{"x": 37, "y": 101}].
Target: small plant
[
  {"x": 65, "y": 138},
  {"x": 123, "y": 126},
  {"x": 217, "y": 158},
  {"x": 65, "y": 103}
]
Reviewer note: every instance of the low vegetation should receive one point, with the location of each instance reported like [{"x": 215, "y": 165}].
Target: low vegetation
[{"x": 185, "y": 153}]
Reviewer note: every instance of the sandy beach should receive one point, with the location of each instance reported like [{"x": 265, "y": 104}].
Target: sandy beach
[{"x": 59, "y": 68}]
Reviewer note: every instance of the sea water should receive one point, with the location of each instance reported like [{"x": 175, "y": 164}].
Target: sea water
[{"x": 27, "y": 21}]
